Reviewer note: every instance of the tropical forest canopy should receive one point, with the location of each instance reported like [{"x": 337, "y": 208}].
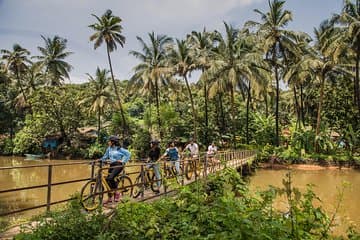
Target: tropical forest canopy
[{"x": 257, "y": 83}]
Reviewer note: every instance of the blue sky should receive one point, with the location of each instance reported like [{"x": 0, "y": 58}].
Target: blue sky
[{"x": 23, "y": 21}]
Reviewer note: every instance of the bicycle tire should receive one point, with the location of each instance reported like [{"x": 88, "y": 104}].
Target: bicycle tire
[
  {"x": 125, "y": 185},
  {"x": 137, "y": 189},
  {"x": 189, "y": 170},
  {"x": 91, "y": 195},
  {"x": 154, "y": 187}
]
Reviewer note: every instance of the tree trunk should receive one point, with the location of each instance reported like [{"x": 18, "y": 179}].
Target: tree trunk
[
  {"x": 318, "y": 118},
  {"x": 233, "y": 117},
  {"x": 266, "y": 105},
  {"x": 247, "y": 113},
  {"x": 192, "y": 107},
  {"x": 277, "y": 142},
  {"x": 302, "y": 105},
  {"x": 297, "y": 108},
  {"x": 125, "y": 128},
  {"x": 222, "y": 115},
  {"x": 99, "y": 123},
  {"x": 158, "y": 108},
  {"x": 356, "y": 81},
  {"x": 206, "y": 113}
]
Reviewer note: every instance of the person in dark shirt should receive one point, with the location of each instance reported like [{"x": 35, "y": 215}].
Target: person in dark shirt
[{"x": 153, "y": 156}]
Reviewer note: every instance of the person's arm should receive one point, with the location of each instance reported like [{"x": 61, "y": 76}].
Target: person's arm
[
  {"x": 165, "y": 154},
  {"x": 106, "y": 155},
  {"x": 126, "y": 155}
]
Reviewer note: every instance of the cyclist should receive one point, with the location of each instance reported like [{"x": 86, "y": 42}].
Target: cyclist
[
  {"x": 153, "y": 156},
  {"x": 212, "y": 149},
  {"x": 193, "y": 148},
  {"x": 173, "y": 153},
  {"x": 118, "y": 156}
]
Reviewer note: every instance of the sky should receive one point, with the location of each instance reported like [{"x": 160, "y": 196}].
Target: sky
[{"x": 24, "y": 21}]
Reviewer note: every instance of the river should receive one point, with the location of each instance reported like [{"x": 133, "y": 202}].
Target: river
[{"x": 327, "y": 184}]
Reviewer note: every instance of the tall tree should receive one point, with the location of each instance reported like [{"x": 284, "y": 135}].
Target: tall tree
[
  {"x": 52, "y": 59},
  {"x": 275, "y": 40},
  {"x": 109, "y": 29},
  {"x": 99, "y": 94},
  {"x": 16, "y": 63},
  {"x": 183, "y": 64},
  {"x": 153, "y": 68},
  {"x": 350, "y": 18},
  {"x": 202, "y": 44}
]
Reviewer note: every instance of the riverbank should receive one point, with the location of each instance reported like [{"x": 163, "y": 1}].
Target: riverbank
[{"x": 302, "y": 166}]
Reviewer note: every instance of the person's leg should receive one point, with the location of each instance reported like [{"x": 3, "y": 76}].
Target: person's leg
[
  {"x": 156, "y": 168},
  {"x": 115, "y": 169}
]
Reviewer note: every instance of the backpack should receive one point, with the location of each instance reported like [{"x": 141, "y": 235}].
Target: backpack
[{"x": 173, "y": 154}]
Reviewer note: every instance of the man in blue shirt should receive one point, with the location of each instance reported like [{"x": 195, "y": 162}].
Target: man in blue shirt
[{"x": 118, "y": 156}]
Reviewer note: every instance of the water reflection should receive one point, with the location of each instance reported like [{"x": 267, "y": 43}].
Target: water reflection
[
  {"x": 327, "y": 183},
  {"x": 25, "y": 177}
]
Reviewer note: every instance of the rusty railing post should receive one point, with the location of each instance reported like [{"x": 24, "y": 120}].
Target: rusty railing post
[{"x": 48, "y": 199}]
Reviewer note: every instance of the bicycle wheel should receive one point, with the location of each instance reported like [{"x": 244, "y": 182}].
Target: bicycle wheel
[
  {"x": 91, "y": 195},
  {"x": 125, "y": 185},
  {"x": 189, "y": 170},
  {"x": 137, "y": 189},
  {"x": 154, "y": 183}
]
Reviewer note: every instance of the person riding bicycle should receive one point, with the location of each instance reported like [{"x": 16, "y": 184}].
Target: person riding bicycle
[
  {"x": 212, "y": 149},
  {"x": 118, "y": 156},
  {"x": 173, "y": 154},
  {"x": 153, "y": 156},
  {"x": 193, "y": 148}
]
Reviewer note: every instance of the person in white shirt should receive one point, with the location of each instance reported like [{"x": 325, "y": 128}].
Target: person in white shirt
[
  {"x": 193, "y": 148},
  {"x": 212, "y": 149}
]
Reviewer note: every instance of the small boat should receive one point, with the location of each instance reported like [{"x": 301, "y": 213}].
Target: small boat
[{"x": 34, "y": 156}]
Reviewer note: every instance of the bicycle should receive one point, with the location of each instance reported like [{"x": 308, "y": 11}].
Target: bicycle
[
  {"x": 192, "y": 167},
  {"x": 212, "y": 163},
  {"x": 91, "y": 194},
  {"x": 170, "y": 171},
  {"x": 145, "y": 179}
]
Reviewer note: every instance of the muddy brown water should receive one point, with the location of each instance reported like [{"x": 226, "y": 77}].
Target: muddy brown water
[
  {"x": 327, "y": 184},
  {"x": 25, "y": 177}
]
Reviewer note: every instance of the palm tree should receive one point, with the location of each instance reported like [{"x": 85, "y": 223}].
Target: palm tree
[
  {"x": 350, "y": 18},
  {"x": 201, "y": 44},
  {"x": 16, "y": 62},
  {"x": 153, "y": 69},
  {"x": 52, "y": 59},
  {"x": 323, "y": 64},
  {"x": 277, "y": 40},
  {"x": 109, "y": 29},
  {"x": 99, "y": 94},
  {"x": 182, "y": 62}
]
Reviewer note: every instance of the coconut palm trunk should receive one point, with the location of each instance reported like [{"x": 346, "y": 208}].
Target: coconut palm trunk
[
  {"x": 157, "y": 99},
  {"x": 318, "y": 118},
  {"x": 247, "y": 113},
  {"x": 356, "y": 80},
  {"x": 192, "y": 106},
  {"x": 125, "y": 128},
  {"x": 274, "y": 62}
]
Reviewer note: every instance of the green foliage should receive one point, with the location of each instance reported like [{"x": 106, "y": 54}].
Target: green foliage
[
  {"x": 263, "y": 129},
  {"x": 30, "y": 137},
  {"x": 72, "y": 223},
  {"x": 6, "y": 146},
  {"x": 142, "y": 139},
  {"x": 303, "y": 138},
  {"x": 95, "y": 150},
  {"x": 220, "y": 208}
]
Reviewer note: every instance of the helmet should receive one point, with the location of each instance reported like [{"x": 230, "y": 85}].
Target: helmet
[
  {"x": 155, "y": 141},
  {"x": 114, "y": 138}
]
